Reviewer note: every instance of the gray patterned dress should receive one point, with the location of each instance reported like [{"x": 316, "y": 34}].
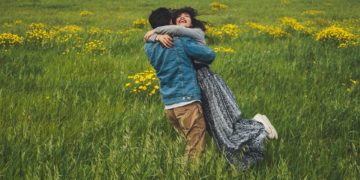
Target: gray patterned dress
[{"x": 241, "y": 140}]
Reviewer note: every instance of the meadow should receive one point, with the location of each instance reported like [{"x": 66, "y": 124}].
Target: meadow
[{"x": 79, "y": 100}]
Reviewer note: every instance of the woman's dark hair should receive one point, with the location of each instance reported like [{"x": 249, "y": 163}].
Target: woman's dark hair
[{"x": 193, "y": 13}]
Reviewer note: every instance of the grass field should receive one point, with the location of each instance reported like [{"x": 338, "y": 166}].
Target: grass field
[{"x": 69, "y": 111}]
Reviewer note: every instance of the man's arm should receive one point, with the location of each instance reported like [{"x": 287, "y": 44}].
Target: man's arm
[{"x": 198, "y": 51}]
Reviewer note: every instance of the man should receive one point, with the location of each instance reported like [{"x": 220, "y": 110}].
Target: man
[{"x": 179, "y": 89}]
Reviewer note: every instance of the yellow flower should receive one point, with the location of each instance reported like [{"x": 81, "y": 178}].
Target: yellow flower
[
  {"x": 312, "y": 12},
  {"x": 226, "y": 31},
  {"x": 343, "y": 45},
  {"x": 223, "y": 50},
  {"x": 144, "y": 82},
  {"x": 268, "y": 30},
  {"x": 295, "y": 25},
  {"x": 96, "y": 47},
  {"x": 9, "y": 39},
  {"x": 70, "y": 29},
  {"x": 18, "y": 22},
  {"x": 140, "y": 23},
  {"x": 335, "y": 33},
  {"x": 354, "y": 82},
  {"x": 216, "y": 6},
  {"x": 127, "y": 84},
  {"x": 85, "y": 13},
  {"x": 39, "y": 34}
]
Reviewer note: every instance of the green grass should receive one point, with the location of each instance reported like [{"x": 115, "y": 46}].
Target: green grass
[{"x": 67, "y": 116}]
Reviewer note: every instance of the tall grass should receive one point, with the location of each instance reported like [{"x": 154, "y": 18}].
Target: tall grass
[{"x": 67, "y": 116}]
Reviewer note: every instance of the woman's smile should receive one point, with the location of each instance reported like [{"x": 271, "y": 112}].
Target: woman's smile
[{"x": 184, "y": 20}]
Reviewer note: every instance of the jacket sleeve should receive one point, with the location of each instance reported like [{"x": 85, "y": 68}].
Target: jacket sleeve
[
  {"x": 152, "y": 38},
  {"x": 198, "y": 51}
]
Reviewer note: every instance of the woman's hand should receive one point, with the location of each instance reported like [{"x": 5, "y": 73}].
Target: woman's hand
[
  {"x": 148, "y": 34},
  {"x": 165, "y": 40}
]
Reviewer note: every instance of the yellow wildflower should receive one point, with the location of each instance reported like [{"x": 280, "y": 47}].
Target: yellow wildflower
[
  {"x": 223, "y": 50},
  {"x": 216, "y": 6},
  {"x": 144, "y": 82},
  {"x": 9, "y": 39},
  {"x": 269, "y": 30},
  {"x": 140, "y": 23},
  {"x": 18, "y": 22},
  {"x": 354, "y": 82},
  {"x": 95, "y": 46},
  {"x": 85, "y": 13},
  {"x": 294, "y": 25},
  {"x": 338, "y": 35},
  {"x": 70, "y": 29},
  {"x": 312, "y": 12}
]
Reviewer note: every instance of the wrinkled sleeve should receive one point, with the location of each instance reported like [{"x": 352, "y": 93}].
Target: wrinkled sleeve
[
  {"x": 195, "y": 33},
  {"x": 152, "y": 38},
  {"x": 198, "y": 51}
]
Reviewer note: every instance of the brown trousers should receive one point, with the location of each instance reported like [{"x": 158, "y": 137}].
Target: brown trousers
[{"x": 189, "y": 122}]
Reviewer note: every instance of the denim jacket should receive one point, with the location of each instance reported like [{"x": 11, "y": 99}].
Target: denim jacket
[{"x": 175, "y": 70}]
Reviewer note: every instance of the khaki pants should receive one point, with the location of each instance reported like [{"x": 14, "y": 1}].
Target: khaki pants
[{"x": 189, "y": 122}]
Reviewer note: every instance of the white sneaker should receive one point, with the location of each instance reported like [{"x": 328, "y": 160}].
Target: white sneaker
[{"x": 269, "y": 128}]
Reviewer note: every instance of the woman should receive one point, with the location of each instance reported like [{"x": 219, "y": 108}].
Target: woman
[{"x": 241, "y": 140}]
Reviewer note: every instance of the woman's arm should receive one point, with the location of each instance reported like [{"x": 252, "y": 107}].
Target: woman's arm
[
  {"x": 195, "y": 33},
  {"x": 164, "y": 39}
]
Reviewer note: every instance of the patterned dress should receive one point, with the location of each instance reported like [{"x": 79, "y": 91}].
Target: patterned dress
[{"x": 241, "y": 140}]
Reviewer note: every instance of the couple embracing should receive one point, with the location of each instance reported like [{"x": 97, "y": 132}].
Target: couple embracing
[{"x": 195, "y": 98}]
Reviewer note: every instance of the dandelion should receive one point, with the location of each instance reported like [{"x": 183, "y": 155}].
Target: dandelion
[
  {"x": 70, "y": 29},
  {"x": 18, "y": 22},
  {"x": 95, "y": 47},
  {"x": 216, "y": 6},
  {"x": 294, "y": 25},
  {"x": 223, "y": 50},
  {"x": 268, "y": 30},
  {"x": 140, "y": 23},
  {"x": 85, "y": 13},
  {"x": 312, "y": 12},
  {"x": 337, "y": 35},
  {"x": 353, "y": 84},
  {"x": 9, "y": 39},
  {"x": 36, "y": 26},
  {"x": 39, "y": 35},
  {"x": 213, "y": 32},
  {"x": 227, "y": 31},
  {"x": 143, "y": 82},
  {"x": 231, "y": 30},
  {"x": 343, "y": 45}
]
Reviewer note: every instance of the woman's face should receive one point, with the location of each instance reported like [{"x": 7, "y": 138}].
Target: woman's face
[{"x": 184, "y": 20}]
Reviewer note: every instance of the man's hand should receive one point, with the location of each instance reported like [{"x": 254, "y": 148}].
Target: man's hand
[
  {"x": 165, "y": 40},
  {"x": 148, "y": 34}
]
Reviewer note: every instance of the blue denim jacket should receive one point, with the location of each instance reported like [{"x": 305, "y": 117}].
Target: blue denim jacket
[{"x": 175, "y": 69}]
